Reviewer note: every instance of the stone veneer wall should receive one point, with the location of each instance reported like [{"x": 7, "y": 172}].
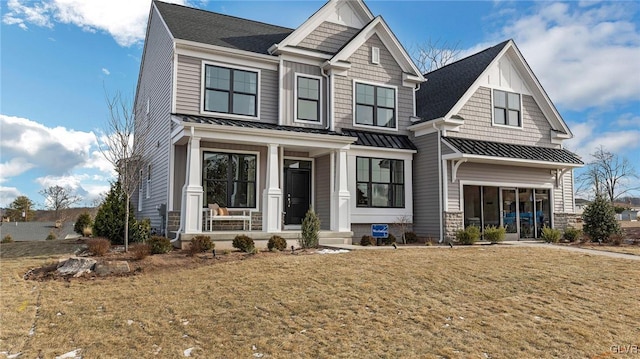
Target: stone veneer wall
[
  {"x": 173, "y": 221},
  {"x": 453, "y": 221},
  {"x": 564, "y": 220}
]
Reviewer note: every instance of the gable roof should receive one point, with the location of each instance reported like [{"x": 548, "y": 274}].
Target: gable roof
[
  {"x": 211, "y": 28},
  {"x": 446, "y": 85}
]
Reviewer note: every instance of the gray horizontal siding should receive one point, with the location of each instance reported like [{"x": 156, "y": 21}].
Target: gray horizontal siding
[
  {"x": 426, "y": 197},
  {"x": 478, "y": 113},
  {"x": 323, "y": 191},
  {"x": 328, "y": 37}
]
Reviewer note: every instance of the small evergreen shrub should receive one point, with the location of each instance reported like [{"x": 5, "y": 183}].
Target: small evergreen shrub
[
  {"x": 391, "y": 239},
  {"x": 468, "y": 236},
  {"x": 411, "y": 237},
  {"x": 87, "y": 232},
  {"x": 616, "y": 239},
  {"x": 495, "y": 234},
  {"x": 572, "y": 234},
  {"x": 139, "y": 231},
  {"x": 310, "y": 229},
  {"x": 277, "y": 243},
  {"x": 51, "y": 236},
  {"x": 600, "y": 220},
  {"x": 7, "y": 239},
  {"x": 140, "y": 250},
  {"x": 83, "y": 221},
  {"x": 159, "y": 245},
  {"x": 551, "y": 235},
  {"x": 98, "y": 246},
  {"x": 367, "y": 240},
  {"x": 244, "y": 243},
  {"x": 200, "y": 244}
]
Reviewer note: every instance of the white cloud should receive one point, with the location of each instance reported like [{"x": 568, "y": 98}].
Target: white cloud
[
  {"x": 14, "y": 167},
  {"x": 585, "y": 141},
  {"x": 106, "y": 71},
  {"x": 127, "y": 27},
  {"x": 8, "y": 195},
  {"x": 628, "y": 120}
]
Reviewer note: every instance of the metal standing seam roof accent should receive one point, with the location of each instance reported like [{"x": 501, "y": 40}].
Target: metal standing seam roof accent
[
  {"x": 507, "y": 150},
  {"x": 255, "y": 124},
  {"x": 383, "y": 140}
]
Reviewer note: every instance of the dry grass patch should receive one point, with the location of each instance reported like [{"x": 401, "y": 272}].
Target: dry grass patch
[{"x": 507, "y": 302}]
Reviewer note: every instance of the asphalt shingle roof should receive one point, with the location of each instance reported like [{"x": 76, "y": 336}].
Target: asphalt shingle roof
[
  {"x": 221, "y": 30},
  {"x": 446, "y": 85},
  {"x": 254, "y": 124},
  {"x": 507, "y": 150},
  {"x": 373, "y": 139}
]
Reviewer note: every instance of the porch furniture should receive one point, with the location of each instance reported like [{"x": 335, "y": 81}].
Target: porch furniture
[{"x": 216, "y": 213}]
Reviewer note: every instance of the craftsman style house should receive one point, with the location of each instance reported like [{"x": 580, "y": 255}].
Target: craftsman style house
[{"x": 266, "y": 122}]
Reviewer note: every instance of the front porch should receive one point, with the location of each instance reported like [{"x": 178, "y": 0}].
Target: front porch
[{"x": 223, "y": 239}]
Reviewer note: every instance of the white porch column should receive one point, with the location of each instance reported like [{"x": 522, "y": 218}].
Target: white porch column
[
  {"x": 341, "y": 198},
  {"x": 191, "y": 213},
  {"x": 272, "y": 195}
]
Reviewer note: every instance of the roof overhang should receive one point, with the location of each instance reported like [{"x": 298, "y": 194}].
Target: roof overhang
[
  {"x": 509, "y": 161},
  {"x": 450, "y": 123}
]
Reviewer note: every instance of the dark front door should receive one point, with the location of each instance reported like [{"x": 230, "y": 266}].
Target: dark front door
[{"x": 297, "y": 196}]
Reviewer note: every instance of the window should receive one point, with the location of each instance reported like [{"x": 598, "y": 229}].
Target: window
[
  {"x": 230, "y": 91},
  {"x": 148, "y": 181},
  {"x": 308, "y": 99},
  {"x": 375, "y": 106},
  {"x": 380, "y": 182},
  {"x": 506, "y": 108},
  {"x": 140, "y": 185},
  {"x": 229, "y": 179}
]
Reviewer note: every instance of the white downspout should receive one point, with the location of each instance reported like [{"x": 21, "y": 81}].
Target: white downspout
[
  {"x": 329, "y": 100},
  {"x": 440, "y": 204}
]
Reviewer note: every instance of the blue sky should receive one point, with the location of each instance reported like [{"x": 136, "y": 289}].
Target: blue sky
[{"x": 60, "y": 57}]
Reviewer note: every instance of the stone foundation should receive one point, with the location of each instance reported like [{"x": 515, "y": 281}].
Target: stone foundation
[
  {"x": 453, "y": 221},
  {"x": 563, "y": 220},
  {"x": 173, "y": 221}
]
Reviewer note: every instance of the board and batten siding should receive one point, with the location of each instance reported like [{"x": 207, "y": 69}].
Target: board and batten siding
[
  {"x": 189, "y": 89},
  {"x": 478, "y": 112},
  {"x": 426, "y": 197},
  {"x": 388, "y": 72},
  {"x": 563, "y": 200},
  {"x": 154, "y": 89},
  {"x": 323, "y": 190},
  {"x": 328, "y": 37},
  {"x": 290, "y": 69}
]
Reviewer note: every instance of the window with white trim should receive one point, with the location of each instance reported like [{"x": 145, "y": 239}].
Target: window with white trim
[
  {"x": 229, "y": 179},
  {"x": 506, "y": 108},
  {"x": 379, "y": 182},
  {"x": 375, "y": 105},
  {"x": 149, "y": 181},
  {"x": 230, "y": 91},
  {"x": 308, "y": 99},
  {"x": 140, "y": 188}
]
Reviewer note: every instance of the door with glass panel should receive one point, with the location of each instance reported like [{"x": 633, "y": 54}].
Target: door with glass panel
[{"x": 509, "y": 211}]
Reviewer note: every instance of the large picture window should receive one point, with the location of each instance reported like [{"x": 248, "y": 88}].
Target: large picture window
[
  {"x": 506, "y": 108},
  {"x": 229, "y": 179},
  {"x": 379, "y": 182},
  {"x": 308, "y": 101},
  {"x": 230, "y": 91},
  {"x": 375, "y": 105}
]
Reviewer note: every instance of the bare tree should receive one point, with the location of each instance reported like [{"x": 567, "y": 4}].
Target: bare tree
[
  {"x": 59, "y": 198},
  {"x": 433, "y": 54},
  {"x": 122, "y": 151},
  {"x": 609, "y": 175}
]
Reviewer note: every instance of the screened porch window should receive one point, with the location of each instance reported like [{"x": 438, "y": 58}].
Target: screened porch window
[{"x": 229, "y": 179}]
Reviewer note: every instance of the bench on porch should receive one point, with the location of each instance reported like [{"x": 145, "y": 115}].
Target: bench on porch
[{"x": 216, "y": 213}]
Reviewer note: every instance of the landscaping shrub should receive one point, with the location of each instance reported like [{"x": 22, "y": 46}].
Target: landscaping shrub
[
  {"x": 87, "y": 232},
  {"x": 139, "y": 231},
  {"x": 495, "y": 234},
  {"x": 277, "y": 243},
  {"x": 599, "y": 220},
  {"x": 616, "y": 239},
  {"x": 571, "y": 234},
  {"x": 244, "y": 243},
  {"x": 51, "y": 236},
  {"x": 310, "y": 229},
  {"x": 551, "y": 235},
  {"x": 159, "y": 245},
  {"x": 367, "y": 240},
  {"x": 98, "y": 246},
  {"x": 83, "y": 221},
  {"x": 7, "y": 239},
  {"x": 140, "y": 250},
  {"x": 410, "y": 237},
  {"x": 468, "y": 236},
  {"x": 391, "y": 239},
  {"x": 200, "y": 244}
]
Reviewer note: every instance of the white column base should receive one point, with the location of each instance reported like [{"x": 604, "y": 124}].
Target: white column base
[
  {"x": 341, "y": 212},
  {"x": 272, "y": 210},
  {"x": 192, "y": 213}
]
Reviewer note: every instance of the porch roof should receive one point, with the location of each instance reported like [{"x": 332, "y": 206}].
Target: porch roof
[
  {"x": 373, "y": 139},
  {"x": 511, "y": 151},
  {"x": 257, "y": 125}
]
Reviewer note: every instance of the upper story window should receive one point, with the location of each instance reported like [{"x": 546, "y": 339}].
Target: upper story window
[
  {"x": 149, "y": 181},
  {"x": 375, "y": 105},
  {"x": 307, "y": 98},
  {"x": 231, "y": 91},
  {"x": 229, "y": 179},
  {"x": 506, "y": 108},
  {"x": 379, "y": 182}
]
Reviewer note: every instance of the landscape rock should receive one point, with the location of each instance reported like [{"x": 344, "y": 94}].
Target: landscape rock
[
  {"x": 111, "y": 267},
  {"x": 76, "y": 266}
]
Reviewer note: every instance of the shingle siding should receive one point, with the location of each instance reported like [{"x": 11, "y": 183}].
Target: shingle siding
[
  {"x": 289, "y": 82},
  {"x": 328, "y": 37},
  {"x": 388, "y": 72},
  {"x": 426, "y": 203}
]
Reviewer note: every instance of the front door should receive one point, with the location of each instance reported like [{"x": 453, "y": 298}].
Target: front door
[{"x": 297, "y": 194}]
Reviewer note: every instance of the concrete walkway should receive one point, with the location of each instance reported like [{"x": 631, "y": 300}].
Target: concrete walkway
[{"x": 533, "y": 244}]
